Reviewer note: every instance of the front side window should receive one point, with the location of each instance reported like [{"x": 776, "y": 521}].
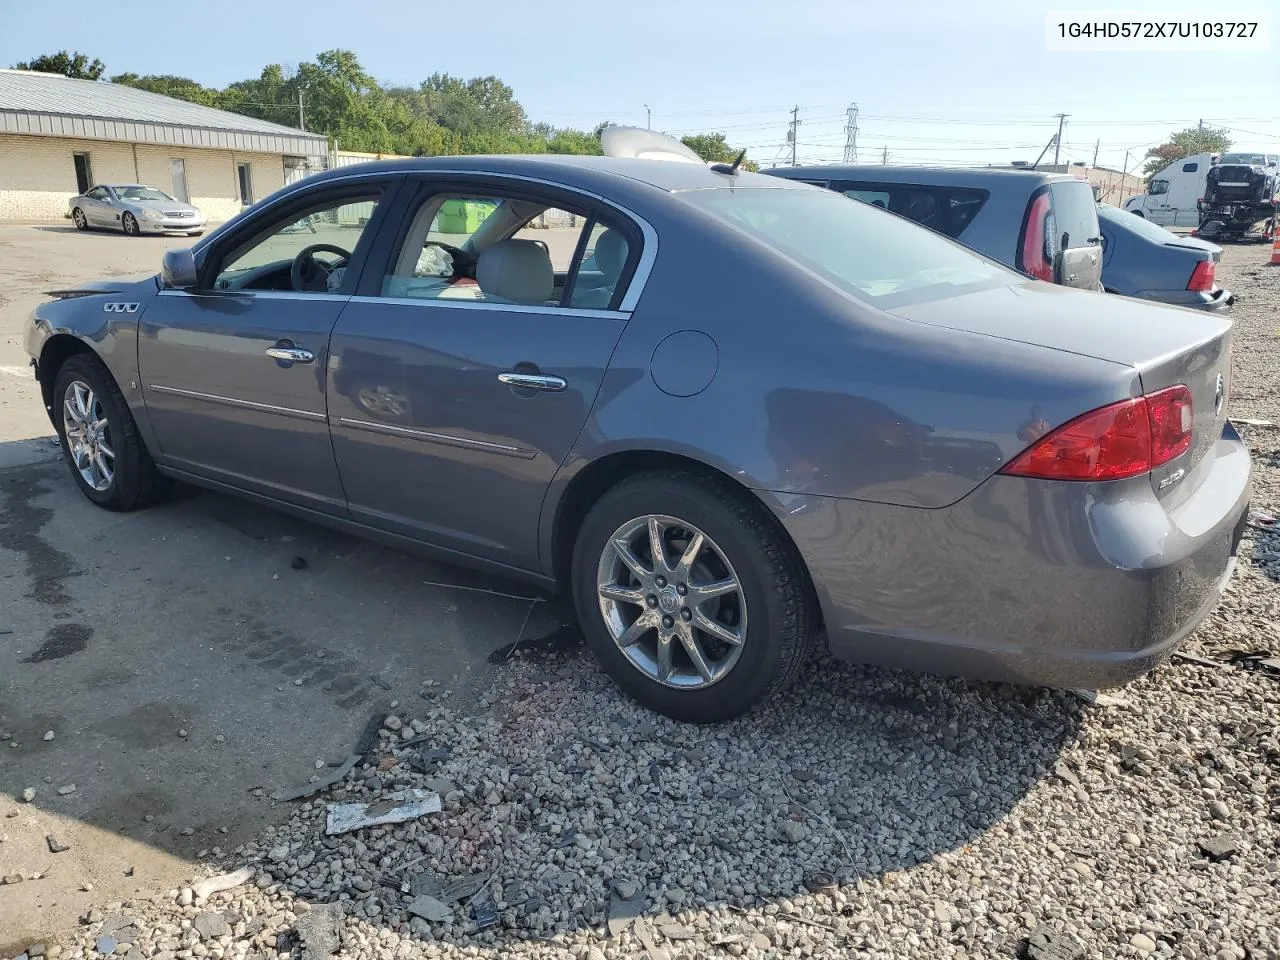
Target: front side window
[
  {"x": 307, "y": 252},
  {"x": 489, "y": 248},
  {"x": 1158, "y": 187},
  {"x": 98, "y": 193},
  {"x": 1190, "y": 167},
  {"x": 884, "y": 260}
]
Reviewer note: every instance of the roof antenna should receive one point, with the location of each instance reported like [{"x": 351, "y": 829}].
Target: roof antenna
[{"x": 726, "y": 168}]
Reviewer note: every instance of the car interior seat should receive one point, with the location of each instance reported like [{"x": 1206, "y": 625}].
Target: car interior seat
[{"x": 516, "y": 271}]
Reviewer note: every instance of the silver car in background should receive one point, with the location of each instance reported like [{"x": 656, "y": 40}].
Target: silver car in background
[{"x": 136, "y": 209}]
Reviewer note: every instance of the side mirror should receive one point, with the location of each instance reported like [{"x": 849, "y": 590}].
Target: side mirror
[{"x": 178, "y": 270}]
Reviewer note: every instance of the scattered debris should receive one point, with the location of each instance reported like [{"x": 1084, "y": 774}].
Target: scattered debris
[
  {"x": 369, "y": 736},
  {"x": 396, "y": 808},
  {"x": 1251, "y": 422},
  {"x": 47, "y": 736},
  {"x": 645, "y": 935},
  {"x": 1100, "y": 698},
  {"x": 210, "y": 926},
  {"x": 677, "y": 931},
  {"x": 624, "y": 912},
  {"x": 67, "y": 790},
  {"x": 430, "y": 909},
  {"x": 323, "y": 783},
  {"x": 820, "y": 881},
  {"x": 1046, "y": 943},
  {"x": 106, "y": 945},
  {"x": 483, "y": 910},
  {"x": 320, "y": 931},
  {"x": 1202, "y": 661},
  {"x": 11, "y": 878},
  {"x": 28, "y": 794},
  {"x": 206, "y": 888},
  {"x": 54, "y": 845},
  {"x": 1219, "y": 847}
]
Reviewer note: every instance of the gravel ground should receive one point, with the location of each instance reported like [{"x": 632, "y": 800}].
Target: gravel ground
[{"x": 867, "y": 814}]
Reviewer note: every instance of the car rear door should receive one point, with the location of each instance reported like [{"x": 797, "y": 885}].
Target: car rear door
[
  {"x": 233, "y": 372},
  {"x": 452, "y": 406},
  {"x": 1076, "y": 236}
]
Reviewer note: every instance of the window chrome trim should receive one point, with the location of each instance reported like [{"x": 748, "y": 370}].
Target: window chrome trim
[
  {"x": 648, "y": 254},
  {"x": 243, "y": 404},
  {"x": 550, "y": 309},
  {"x": 442, "y": 438},
  {"x": 256, "y": 294}
]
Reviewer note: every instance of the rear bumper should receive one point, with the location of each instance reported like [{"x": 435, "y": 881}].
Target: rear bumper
[
  {"x": 1212, "y": 300},
  {"x": 1027, "y": 581}
]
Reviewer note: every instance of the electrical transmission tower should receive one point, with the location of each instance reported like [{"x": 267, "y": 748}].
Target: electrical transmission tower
[{"x": 851, "y": 134}]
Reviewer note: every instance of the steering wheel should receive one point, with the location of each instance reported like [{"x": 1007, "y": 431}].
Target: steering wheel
[{"x": 308, "y": 273}]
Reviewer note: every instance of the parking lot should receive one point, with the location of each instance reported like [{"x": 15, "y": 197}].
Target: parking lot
[{"x": 191, "y": 659}]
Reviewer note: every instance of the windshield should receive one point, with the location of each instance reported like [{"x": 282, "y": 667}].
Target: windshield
[
  {"x": 1135, "y": 224},
  {"x": 141, "y": 193},
  {"x": 1252, "y": 159},
  {"x": 874, "y": 255}
]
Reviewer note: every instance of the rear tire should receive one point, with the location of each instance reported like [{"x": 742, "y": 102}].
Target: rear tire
[
  {"x": 130, "y": 224},
  {"x": 739, "y": 542},
  {"x": 79, "y": 219},
  {"x": 117, "y": 449}
]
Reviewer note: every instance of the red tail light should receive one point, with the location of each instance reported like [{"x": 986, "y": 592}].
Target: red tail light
[
  {"x": 1120, "y": 440},
  {"x": 1032, "y": 255},
  {"x": 1201, "y": 277}
]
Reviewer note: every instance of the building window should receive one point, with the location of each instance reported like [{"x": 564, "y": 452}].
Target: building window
[
  {"x": 84, "y": 172},
  {"x": 244, "y": 174},
  {"x": 178, "y": 171}
]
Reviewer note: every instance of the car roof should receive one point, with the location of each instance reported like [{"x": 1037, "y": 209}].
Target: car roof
[
  {"x": 666, "y": 175},
  {"x": 945, "y": 176}
]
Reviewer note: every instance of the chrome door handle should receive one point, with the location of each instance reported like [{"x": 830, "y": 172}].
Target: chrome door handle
[
  {"x": 291, "y": 354},
  {"x": 533, "y": 381}
]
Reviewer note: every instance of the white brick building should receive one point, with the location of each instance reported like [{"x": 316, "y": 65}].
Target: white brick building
[{"x": 59, "y": 137}]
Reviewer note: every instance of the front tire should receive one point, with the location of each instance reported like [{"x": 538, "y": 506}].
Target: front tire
[
  {"x": 130, "y": 224},
  {"x": 691, "y": 598},
  {"x": 79, "y": 219},
  {"x": 100, "y": 441}
]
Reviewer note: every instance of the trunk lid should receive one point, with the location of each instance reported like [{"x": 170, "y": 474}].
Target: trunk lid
[{"x": 1166, "y": 345}]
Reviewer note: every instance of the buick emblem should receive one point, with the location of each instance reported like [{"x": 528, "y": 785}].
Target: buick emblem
[
  {"x": 1219, "y": 395},
  {"x": 120, "y": 307}
]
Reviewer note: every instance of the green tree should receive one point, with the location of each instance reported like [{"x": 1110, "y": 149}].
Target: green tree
[
  {"x": 76, "y": 65},
  {"x": 713, "y": 148},
  {"x": 1185, "y": 143},
  {"x": 181, "y": 88}
]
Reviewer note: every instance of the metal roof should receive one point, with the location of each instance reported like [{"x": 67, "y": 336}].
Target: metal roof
[{"x": 45, "y": 104}]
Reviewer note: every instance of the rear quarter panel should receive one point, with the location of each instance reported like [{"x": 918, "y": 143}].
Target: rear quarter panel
[{"x": 816, "y": 393}]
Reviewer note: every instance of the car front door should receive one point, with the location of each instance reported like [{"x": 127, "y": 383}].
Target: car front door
[
  {"x": 97, "y": 208},
  {"x": 464, "y": 370},
  {"x": 233, "y": 372}
]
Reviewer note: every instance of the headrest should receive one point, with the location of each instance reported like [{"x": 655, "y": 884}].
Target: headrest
[
  {"x": 518, "y": 271},
  {"x": 611, "y": 254}
]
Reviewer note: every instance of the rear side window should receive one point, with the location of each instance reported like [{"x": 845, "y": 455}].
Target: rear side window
[
  {"x": 945, "y": 209},
  {"x": 881, "y": 259},
  {"x": 1075, "y": 214}
]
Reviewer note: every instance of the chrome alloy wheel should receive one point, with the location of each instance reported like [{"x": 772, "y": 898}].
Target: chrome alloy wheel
[
  {"x": 88, "y": 435},
  {"x": 672, "y": 602}
]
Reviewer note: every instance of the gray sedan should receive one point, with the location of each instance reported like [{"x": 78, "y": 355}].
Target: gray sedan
[
  {"x": 136, "y": 209},
  {"x": 729, "y": 414},
  {"x": 1142, "y": 259}
]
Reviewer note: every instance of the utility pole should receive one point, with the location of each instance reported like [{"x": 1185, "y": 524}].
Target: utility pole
[
  {"x": 1057, "y": 144},
  {"x": 1096, "y": 145},
  {"x": 851, "y": 134},
  {"x": 648, "y": 117},
  {"x": 793, "y": 133},
  {"x": 302, "y": 123},
  {"x": 1199, "y": 126},
  {"x": 884, "y": 156}
]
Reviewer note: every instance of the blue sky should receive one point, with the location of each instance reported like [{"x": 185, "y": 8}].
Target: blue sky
[{"x": 935, "y": 80}]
